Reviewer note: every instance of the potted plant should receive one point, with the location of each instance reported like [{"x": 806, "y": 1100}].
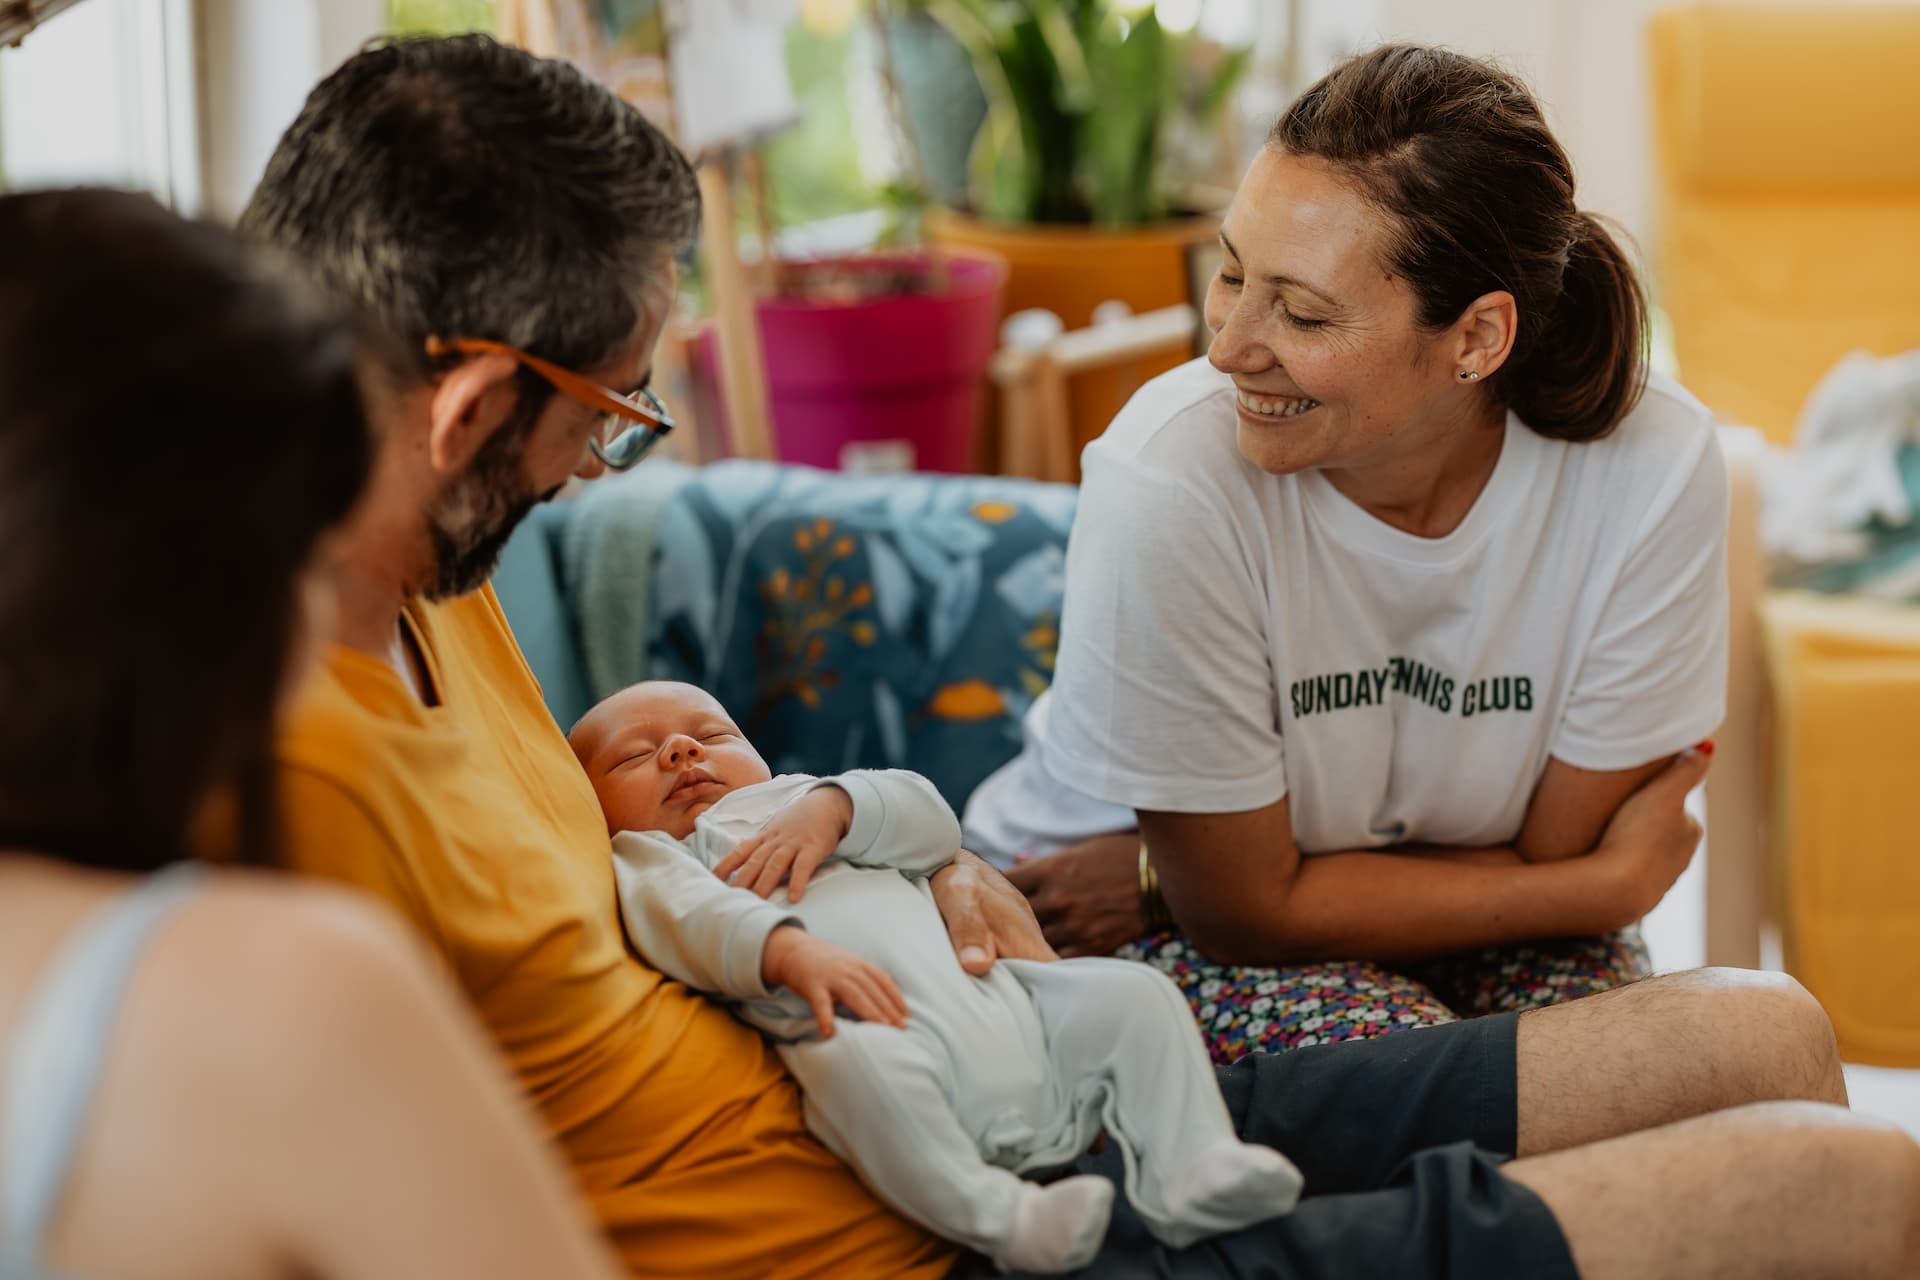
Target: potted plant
[
  {"x": 1071, "y": 174},
  {"x": 874, "y": 360}
]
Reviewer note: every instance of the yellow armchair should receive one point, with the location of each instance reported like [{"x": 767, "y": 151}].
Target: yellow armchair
[
  {"x": 1789, "y": 161},
  {"x": 1847, "y": 748}
]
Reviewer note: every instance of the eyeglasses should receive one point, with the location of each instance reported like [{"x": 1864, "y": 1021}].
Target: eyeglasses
[{"x": 630, "y": 426}]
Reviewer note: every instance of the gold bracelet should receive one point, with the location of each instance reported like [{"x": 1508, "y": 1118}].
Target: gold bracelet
[{"x": 1153, "y": 905}]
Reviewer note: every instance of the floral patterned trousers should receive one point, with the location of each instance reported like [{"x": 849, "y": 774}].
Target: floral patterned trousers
[{"x": 1244, "y": 1010}]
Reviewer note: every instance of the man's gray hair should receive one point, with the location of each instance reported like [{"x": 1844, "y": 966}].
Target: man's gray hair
[{"x": 457, "y": 187}]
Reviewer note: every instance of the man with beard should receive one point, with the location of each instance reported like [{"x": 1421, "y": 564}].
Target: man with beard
[{"x": 507, "y": 231}]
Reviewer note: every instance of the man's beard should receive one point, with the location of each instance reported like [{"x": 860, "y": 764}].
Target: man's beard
[{"x": 479, "y": 510}]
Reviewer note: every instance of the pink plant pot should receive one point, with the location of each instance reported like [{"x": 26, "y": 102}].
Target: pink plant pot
[{"x": 878, "y": 381}]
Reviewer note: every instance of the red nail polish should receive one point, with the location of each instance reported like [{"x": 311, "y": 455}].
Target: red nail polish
[{"x": 1706, "y": 748}]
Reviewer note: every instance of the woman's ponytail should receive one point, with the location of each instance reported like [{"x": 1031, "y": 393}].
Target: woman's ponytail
[{"x": 1587, "y": 367}]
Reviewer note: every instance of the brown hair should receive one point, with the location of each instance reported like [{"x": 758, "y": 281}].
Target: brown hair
[
  {"x": 1456, "y": 150},
  {"x": 177, "y": 428}
]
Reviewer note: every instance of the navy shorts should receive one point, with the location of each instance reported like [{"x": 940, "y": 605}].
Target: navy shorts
[{"x": 1400, "y": 1138}]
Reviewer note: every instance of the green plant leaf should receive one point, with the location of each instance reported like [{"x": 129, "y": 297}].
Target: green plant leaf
[
  {"x": 1135, "y": 76},
  {"x": 1077, "y": 100},
  {"x": 1220, "y": 88},
  {"x": 1056, "y": 27},
  {"x": 998, "y": 168}
]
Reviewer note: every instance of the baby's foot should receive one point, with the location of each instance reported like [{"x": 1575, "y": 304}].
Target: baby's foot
[
  {"x": 1058, "y": 1227},
  {"x": 1228, "y": 1186}
]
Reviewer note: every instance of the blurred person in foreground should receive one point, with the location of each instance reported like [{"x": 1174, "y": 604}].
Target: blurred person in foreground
[{"x": 204, "y": 1071}]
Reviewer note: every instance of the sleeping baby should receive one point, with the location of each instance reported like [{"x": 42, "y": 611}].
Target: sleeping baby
[{"x": 797, "y": 896}]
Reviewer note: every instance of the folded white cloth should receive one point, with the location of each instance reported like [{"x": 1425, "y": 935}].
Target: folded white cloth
[{"x": 1843, "y": 472}]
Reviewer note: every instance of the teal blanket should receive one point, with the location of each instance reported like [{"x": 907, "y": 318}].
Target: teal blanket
[{"x": 844, "y": 621}]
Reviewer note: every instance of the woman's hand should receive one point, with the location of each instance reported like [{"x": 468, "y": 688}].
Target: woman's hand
[
  {"x": 1087, "y": 896},
  {"x": 986, "y": 917},
  {"x": 1647, "y": 844},
  {"x": 825, "y": 975},
  {"x": 795, "y": 841}
]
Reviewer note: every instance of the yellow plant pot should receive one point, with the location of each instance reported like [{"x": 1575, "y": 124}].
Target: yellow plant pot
[{"x": 1071, "y": 270}]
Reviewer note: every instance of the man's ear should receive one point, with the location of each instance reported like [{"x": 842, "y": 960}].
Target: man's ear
[
  {"x": 1486, "y": 330},
  {"x": 468, "y": 405}
]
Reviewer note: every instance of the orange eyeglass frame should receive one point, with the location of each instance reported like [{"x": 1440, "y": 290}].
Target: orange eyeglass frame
[{"x": 643, "y": 410}]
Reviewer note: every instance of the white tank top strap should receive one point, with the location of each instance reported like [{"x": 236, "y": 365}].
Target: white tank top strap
[{"x": 57, "y": 1053}]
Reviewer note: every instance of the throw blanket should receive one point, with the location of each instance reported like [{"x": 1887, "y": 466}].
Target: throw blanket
[
  {"x": 1838, "y": 509},
  {"x": 845, "y": 621}
]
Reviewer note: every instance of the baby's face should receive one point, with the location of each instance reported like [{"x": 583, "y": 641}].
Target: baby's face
[{"x": 661, "y": 754}]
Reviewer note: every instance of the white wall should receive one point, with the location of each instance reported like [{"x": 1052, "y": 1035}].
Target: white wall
[
  {"x": 102, "y": 93},
  {"x": 1585, "y": 61},
  {"x": 183, "y": 98},
  {"x": 259, "y": 59}
]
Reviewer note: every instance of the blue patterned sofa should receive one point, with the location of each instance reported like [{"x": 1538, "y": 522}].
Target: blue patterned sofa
[{"x": 843, "y": 620}]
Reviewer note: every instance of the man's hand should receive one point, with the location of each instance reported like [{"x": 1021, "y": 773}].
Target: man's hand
[
  {"x": 795, "y": 841},
  {"x": 825, "y": 975},
  {"x": 986, "y": 917},
  {"x": 1648, "y": 843},
  {"x": 1087, "y": 896}
]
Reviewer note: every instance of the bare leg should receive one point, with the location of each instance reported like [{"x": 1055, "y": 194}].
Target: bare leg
[
  {"x": 1666, "y": 1049},
  {"x": 1771, "y": 1189}
]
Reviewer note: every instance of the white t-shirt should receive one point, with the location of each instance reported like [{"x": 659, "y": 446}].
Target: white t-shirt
[{"x": 1231, "y": 637}]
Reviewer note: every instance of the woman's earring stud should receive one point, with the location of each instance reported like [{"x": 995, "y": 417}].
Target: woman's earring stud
[{"x": 1469, "y": 375}]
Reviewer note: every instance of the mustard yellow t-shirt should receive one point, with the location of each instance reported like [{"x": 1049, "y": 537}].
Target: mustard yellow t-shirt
[{"x": 474, "y": 819}]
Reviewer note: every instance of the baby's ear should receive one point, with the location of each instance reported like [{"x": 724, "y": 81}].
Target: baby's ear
[{"x": 580, "y": 741}]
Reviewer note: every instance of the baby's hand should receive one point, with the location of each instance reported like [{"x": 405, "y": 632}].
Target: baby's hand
[
  {"x": 825, "y": 975},
  {"x": 794, "y": 842}
]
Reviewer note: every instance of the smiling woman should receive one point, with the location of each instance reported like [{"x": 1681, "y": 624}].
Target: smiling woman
[{"x": 1404, "y": 592}]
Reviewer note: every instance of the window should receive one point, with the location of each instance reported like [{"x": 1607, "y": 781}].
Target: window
[
  {"x": 104, "y": 93},
  {"x": 838, "y": 156},
  {"x": 17, "y": 17}
]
